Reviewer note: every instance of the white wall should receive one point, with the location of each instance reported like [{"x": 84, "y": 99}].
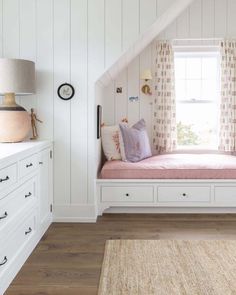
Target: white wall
[
  {"x": 203, "y": 19},
  {"x": 73, "y": 41}
]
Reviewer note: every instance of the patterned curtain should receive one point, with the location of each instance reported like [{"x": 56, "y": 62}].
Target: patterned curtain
[
  {"x": 228, "y": 96},
  {"x": 164, "y": 107}
]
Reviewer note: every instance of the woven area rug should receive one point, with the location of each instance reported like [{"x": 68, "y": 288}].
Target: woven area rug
[{"x": 165, "y": 267}]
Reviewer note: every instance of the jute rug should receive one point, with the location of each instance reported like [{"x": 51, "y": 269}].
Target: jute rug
[{"x": 168, "y": 267}]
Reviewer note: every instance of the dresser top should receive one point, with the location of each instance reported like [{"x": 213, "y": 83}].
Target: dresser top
[{"x": 8, "y": 150}]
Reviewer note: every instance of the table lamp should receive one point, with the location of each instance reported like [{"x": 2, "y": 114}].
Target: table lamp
[{"x": 17, "y": 77}]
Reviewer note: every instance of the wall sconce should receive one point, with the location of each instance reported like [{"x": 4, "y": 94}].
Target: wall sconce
[{"x": 146, "y": 76}]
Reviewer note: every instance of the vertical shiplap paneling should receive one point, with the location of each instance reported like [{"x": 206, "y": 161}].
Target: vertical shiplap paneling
[
  {"x": 220, "y": 18},
  {"x": 11, "y": 31},
  {"x": 130, "y": 22},
  {"x": 133, "y": 91},
  {"x": 27, "y": 12},
  {"x": 208, "y": 16},
  {"x": 109, "y": 110},
  {"x": 131, "y": 29},
  {"x": 147, "y": 14},
  {"x": 79, "y": 107},
  {"x": 182, "y": 24},
  {"x": 96, "y": 54},
  {"x": 231, "y": 19},
  {"x": 113, "y": 31},
  {"x": 195, "y": 19},
  {"x": 44, "y": 67},
  {"x": 162, "y": 6},
  {"x": 1, "y": 33},
  {"x": 1, "y": 28},
  {"x": 11, "y": 28},
  {"x": 146, "y": 100},
  {"x": 62, "y": 126},
  {"x": 121, "y": 99}
]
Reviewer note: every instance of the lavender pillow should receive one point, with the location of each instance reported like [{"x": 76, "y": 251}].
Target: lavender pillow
[{"x": 136, "y": 141}]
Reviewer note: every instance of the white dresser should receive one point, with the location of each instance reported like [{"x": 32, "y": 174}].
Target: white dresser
[{"x": 26, "y": 196}]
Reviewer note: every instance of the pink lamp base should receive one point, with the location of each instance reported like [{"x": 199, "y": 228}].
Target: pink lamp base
[{"x": 14, "y": 124}]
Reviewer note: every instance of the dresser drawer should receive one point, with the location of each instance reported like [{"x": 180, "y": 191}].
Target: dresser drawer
[
  {"x": 15, "y": 202},
  {"x": 127, "y": 194},
  {"x": 28, "y": 165},
  {"x": 16, "y": 241},
  {"x": 8, "y": 176},
  {"x": 184, "y": 194},
  {"x": 225, "y": 195}
]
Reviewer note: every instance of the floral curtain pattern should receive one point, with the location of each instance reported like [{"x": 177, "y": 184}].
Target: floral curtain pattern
[
  {"x": 227, "y": 142},
  {"x": 164, "y": 106}
]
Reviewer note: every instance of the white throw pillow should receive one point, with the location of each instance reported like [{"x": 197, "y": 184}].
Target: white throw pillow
[{"x": 111, "y": 142}]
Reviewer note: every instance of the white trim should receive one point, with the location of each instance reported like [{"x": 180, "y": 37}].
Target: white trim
[
  {"x": 74, "y": 213},
  {"x": 171, "y": 210}
]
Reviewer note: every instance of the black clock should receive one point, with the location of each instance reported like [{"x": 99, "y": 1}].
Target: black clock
[{"x": 66, "y": 91}]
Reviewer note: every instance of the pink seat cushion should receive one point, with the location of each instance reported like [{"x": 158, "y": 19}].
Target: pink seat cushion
[{"x": 174, "y": 166}]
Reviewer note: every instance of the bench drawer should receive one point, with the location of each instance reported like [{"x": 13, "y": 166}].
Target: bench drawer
[
  {"x": 184, "y": 194},
  {"x": 8, "y": 176},
  {"x": 127, "y": 194},
  {"x": 28, "y": 165},
  {"x": 225, "y": 195}
]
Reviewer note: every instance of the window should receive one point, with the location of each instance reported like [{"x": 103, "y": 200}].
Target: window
[{"x": 197, "y": 99}]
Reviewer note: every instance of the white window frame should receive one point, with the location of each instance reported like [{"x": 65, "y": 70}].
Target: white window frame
[{"x": 198, "y": 50}]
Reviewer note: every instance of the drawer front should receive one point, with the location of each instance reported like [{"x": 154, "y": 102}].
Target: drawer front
[
  {"x": 28, "y": 165},
  {"x": 16, "y": 241},
  {"x": 13, "y": 203},
  {"x": 225, "y": 195},
  {"x": 127, "y": 194},
  {"x": 8, "y": 176},
  {"x": 184, "y": 194}
]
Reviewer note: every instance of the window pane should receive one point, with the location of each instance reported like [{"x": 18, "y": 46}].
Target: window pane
[
  {"x": 193, "y": 89},
  {"x": 197, "y": 99},
  {"x": 209, "y": 68},
  {"x": 180, "y": 89},
  {"x": 180, "y": 68},
  {"x": 209, "y": 89},
  {"x": 194, "y": 68}
]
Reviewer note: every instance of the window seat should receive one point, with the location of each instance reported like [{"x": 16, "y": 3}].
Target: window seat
[{"x": 174, "y": 166}]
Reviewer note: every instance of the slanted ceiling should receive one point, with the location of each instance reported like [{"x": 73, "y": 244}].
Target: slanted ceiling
[{"x": 143, "y": 41}]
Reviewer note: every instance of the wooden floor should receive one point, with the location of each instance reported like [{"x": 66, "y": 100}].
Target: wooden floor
[{"x": 68, "y": 259}]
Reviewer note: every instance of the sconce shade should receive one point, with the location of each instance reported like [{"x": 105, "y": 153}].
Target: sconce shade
[
  {"x": 146, "y": 75},
  {"x": 17, "y": 76}
]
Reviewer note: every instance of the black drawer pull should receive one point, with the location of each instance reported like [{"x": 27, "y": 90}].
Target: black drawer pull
[
  {"x": 4, "y": 261},
  {"x": 29, "y": 165},
  {"x": 127, "y": 195},
  {"x": 28, "y": 231},
  {"x": 184, "y": 195},
  {"x": 4, "y": 216},
  {"x": 29, "y": 194},
  {"x": 4, "y": 179},
  {"x": 40, "y": 163}
]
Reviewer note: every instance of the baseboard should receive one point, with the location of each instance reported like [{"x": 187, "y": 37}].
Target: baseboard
[
  {"x": 74, "y": 213},
  {"x": 172, "y": 210}
]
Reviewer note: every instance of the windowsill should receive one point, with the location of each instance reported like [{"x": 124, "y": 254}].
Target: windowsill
[{"x": 196, "y": 150}]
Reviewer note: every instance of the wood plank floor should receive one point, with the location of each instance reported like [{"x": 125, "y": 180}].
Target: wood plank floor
[{"x": 68, "y": 259}]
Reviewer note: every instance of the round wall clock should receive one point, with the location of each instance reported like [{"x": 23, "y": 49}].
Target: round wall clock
[{"x": 66, "y": 91}]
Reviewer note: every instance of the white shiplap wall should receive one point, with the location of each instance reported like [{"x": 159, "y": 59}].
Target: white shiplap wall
[
  {"x": 203, "y": 19},
  {"x": 73, "y": 41}
]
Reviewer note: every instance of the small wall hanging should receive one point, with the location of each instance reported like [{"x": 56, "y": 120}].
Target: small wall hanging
[{"x": 66, "y": 91}]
